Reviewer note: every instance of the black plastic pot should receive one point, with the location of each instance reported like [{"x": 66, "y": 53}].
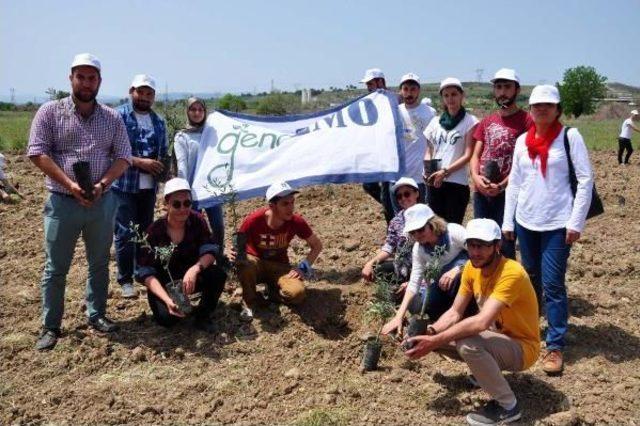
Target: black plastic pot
[
  {"x": 492, "y": 171},
  {"x": 176, "y": 293},
  {"x": 432, "y": 166},
  {"x": 371, "y": 355},
  {"x": 82, "y": 172},
  {"x": 239, "y": 241},
  {"x": 166, "y": 169},
  {"x": 417, "y": 327}
]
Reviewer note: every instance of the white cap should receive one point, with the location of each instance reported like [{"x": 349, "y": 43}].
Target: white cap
[
  {"x": 415, "y": 217},
  {"x": 140, "y": 80},
  {"x": 175, "y": 185},
  {"x": 544, "y": 94},
  {"x": 372, "y": 73},
  {"x": 506, "y": 74},
  {"x": 634, "y": 112},
  {"x": 85, "y": 59},
  {"x": 410, "y": 77},
  {"x": 426, "y": 101},
  {"x": 404, "y": 181},
  {"x": 451, "y": 81},
  {"x": 279, "y": 189},
  {"x": 483, "y": 230}
]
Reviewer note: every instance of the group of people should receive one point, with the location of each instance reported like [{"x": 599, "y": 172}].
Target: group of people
[{"x": 484, "y": 306}]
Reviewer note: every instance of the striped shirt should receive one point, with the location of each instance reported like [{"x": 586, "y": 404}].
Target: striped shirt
[{"x": 61, "y": 133}]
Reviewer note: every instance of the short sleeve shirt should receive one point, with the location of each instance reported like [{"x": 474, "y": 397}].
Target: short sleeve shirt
[
  {"x": 510, "y": 285},
  {"x": 626, "y": 129},
  {"x": 272, "y": 244},
  {"x": 499, "y": 136}
]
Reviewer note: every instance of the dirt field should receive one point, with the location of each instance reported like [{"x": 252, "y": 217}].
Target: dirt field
[{"x": 301, "y": 365}]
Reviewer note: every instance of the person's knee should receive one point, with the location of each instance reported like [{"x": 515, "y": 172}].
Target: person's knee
[
  {"x": 165, "y": 320},
  {"x": 468, "y": 348}
]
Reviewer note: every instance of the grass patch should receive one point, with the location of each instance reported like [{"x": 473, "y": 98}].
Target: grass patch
[
  {"x": 322, "y": 417},
  {"x": 14, "y": 130},
  {"x": 598, "y": 135}
]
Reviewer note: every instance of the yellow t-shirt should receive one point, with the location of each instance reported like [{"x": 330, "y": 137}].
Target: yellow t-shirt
[{"x": 510, "y": 285}]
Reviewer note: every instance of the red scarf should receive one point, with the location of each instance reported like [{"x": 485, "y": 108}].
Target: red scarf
[{"x": 539, "y": 145}]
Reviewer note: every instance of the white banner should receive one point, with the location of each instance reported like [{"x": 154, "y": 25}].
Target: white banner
[{"x": 357, "y": 142}]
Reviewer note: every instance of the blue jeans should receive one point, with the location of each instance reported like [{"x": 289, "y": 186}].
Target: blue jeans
[
  {"x": 216, "y": 222},
  {"x": 493, "y": 208},
  {"x": 137, "y": 208},
  {"x": 422, "y": 198},
  {"x": 544, "y": 256},
  {"x": 64, "y": 221}
]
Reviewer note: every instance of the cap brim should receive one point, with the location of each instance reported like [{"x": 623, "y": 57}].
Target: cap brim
[{"x": 284, "y": 194}]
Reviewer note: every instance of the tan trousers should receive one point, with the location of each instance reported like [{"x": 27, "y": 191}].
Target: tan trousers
[
  {"x": 487, "y": 354},
  {"x": 273, "y": 274}
]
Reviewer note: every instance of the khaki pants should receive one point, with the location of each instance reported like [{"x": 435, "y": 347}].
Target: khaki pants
[
  {"x": 487, "y": 354},
  {"x": 273, "y": 274}
]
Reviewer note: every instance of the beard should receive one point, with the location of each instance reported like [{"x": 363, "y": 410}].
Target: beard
[
  {"x": 85, "y": 95},
  {"x": 142, "y": 106},
  {"x": 505, "y": 102}
]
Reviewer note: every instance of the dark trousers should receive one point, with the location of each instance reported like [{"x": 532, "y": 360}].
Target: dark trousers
[
  {"x": 493, "y": 208},
  {"x": 449, "y": 201},
  {"x": 624, "y": 144},
  {"x": 380, "y": 191},
  {"x": 210, "y": 283},
  {"x": 137, "y": 208}
]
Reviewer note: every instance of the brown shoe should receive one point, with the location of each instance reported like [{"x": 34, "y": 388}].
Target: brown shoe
[{"x": 552, "y": 363}]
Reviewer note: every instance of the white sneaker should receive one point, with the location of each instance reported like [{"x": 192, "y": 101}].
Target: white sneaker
[
  {"x": 129, "y": 291},
  {"x": 246, "y": 315}
]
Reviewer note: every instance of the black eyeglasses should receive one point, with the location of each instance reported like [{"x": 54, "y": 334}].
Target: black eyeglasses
[
  {"x": 404, "y": 194},
  {"x": 177, "y": 204}
]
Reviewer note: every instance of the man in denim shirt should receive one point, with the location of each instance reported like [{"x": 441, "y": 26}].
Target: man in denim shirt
[{"x": 136, "y": 189}]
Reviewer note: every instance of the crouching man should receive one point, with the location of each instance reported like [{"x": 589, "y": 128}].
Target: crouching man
[
  {"x": 504, "y": 335},
  {"x": 192, "y": 260},
  {"x": 269, "y": 231}
]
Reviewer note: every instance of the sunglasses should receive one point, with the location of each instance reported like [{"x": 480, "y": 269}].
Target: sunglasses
[
  {"x": 403, "y": 194},
  {"x": 418, "y": 231},
  {"x": 177, "y": 204}
]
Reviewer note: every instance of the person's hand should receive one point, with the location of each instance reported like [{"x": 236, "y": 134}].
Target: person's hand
[
  {"x": 78, "y": 194},
  {"x": 150, "y": 165},
  {"x": 295, "y": 273},
  {"x": 493, "y": 190},
  {"x": 446, "y": 280},
  {"x": 572, "y": 236},
  {"x": 394, "y": 324},
  {"x": 437, "y": 178},
  {"x": 481, "y": 183},
  {"x": 173, "y": 309},
  {"x": 509, "y": 235},
  {"x": 189, "y": 279},
  {"x": 367, "y": 272},
  {"x": 97, "y": 192},
  {"x": 402, "y": 287},
  {"x": 424, "y": 345},
  {"x": 231, "y": 254}
]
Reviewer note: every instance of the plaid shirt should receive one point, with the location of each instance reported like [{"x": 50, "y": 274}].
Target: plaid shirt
[
  {"x": 144, "y": 145},
  {"x": 61, "y": 133}
]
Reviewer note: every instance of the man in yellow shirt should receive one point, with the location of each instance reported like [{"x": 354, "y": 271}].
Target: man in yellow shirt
[{"x": 504, "y": 335}]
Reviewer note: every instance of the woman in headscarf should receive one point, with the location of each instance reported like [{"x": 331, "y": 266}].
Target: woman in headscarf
[{"x": 186, "y": 145}]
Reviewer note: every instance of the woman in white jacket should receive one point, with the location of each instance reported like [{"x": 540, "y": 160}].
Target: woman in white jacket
[
  {"x": 542, "y": 210},
  {"x": 186, "y": 145}
]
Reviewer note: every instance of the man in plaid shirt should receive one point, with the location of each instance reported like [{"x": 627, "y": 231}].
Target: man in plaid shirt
[
  {"x": 65, "y": 132},
  {"x": 136, "y": 189}
]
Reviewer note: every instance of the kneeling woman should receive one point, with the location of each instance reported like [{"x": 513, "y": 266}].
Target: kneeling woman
[
  {"x": 431, "y": 232},
  {"x": 192, "y": 260}
]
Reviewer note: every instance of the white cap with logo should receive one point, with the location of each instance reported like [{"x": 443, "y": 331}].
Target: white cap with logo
[
  {"x": 85, "y": 59},
  {"x": 544, "y": 94},
  {"x": 451, "y": 82},
  {"x": 634, "y": 112},
  {"x": 483, "y": 230},
  {"x": 279, "y": 189},
  {"x": 404, "y": 181},
  {"x": 410, "y": 77},
  {"x": 506, "y": 74},
  {"x": 372, "y": 73},
  {"x": 415, "y": 217},
  {"x": 175, "y": 185},
  {"x": 140, "y": 80}
]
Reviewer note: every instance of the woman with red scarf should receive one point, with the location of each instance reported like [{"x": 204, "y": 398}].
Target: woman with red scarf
[{"x": 544, "y": 213}]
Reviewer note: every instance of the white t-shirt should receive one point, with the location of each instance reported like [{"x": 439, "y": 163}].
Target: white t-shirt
[
  {"x": 415, "y": 120},
  {"x": 626, "y": 130},
  {"x": 542, "y": 203},
  {"x": 449, "y": 145},
  {"x": 145, "y": 180}
]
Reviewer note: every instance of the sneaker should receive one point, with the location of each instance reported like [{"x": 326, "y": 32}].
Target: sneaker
[
  {"x": 129, "y": 291},
  {"x": 246, "y": 315},
  {"x": 552, "y": 363},
  {"x": 48, "y": 339},
  {"x": 103, "y": 324},
  {"x": 492, "y": 413}
]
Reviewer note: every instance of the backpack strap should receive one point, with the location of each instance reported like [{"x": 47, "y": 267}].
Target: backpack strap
[{"x": 573, "y": 180}]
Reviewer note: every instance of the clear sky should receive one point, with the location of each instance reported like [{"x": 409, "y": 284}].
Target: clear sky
[{"x": 238, "y": 46}]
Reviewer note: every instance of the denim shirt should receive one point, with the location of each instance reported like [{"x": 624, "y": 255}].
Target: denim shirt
[{"x": 154, "y": 147}]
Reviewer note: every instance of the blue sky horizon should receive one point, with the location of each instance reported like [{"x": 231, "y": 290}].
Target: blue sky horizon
[{"x": 206, "y": 46}]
